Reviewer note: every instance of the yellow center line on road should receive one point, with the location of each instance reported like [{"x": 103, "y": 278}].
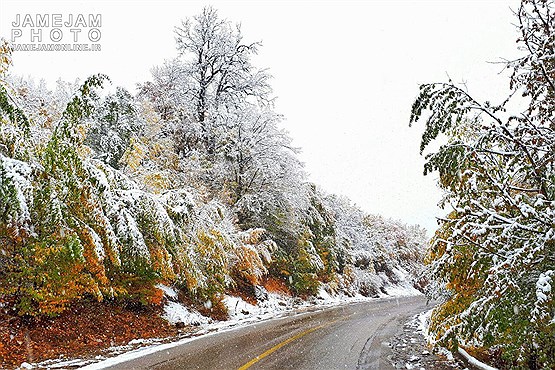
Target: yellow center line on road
[{"x": 285, "y": 342}]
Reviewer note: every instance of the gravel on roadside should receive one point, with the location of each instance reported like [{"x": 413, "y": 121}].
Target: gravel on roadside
[{"x": 410, "y": 350}]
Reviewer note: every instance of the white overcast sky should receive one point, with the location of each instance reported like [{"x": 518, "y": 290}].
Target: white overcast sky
[{"x": 345, "y": 75}]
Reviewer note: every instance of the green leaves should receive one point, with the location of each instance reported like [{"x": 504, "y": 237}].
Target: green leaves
[
  {"x": 497, "y": 172},
  {"x": 16, "y": 115},
  {"x": 81, "y": 106},
  {"x": 448, "y": 106}
]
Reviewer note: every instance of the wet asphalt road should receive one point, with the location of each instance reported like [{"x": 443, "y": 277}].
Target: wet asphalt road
[{"x": 352, "y": 336}]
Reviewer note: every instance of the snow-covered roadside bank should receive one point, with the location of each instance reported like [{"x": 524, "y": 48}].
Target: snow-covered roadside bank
[
  {"x": 421, "y": 323},
  {"x": 241, "y": 314}
]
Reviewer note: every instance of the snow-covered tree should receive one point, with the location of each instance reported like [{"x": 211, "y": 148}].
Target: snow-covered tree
[
  {"x": 374, "y": 252},
  {"x": 215, "y": 107},
  {"x": 114, "y": 125},
  {"x": 495, "y": 250},
  {"x": 212, "y": 75},
  {"x": 217, "y": 66}
]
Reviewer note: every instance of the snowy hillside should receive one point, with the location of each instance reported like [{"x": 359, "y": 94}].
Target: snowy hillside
[{"x": 190, "y": 183}]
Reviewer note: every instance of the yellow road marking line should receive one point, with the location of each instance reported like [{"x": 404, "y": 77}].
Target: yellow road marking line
[{"x": 285, "y": 342}]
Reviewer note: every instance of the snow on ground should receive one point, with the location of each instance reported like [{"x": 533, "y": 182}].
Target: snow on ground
[
  {"x": 238, "y": 308},
  {"x": 176, "y": 313},
  {"x": 241, "y": 314},
  {"x": 401, "y": 291},
  {"x": 405, "y": 288},
  {"x": 168, "y": 291},
  {"x": 424, "y": 323}
]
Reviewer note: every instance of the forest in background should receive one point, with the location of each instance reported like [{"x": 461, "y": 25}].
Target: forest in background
[{"x": 189, "y": 182}]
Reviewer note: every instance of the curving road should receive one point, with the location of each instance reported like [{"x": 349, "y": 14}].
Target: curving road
[{"x": 347, "y": 337}]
